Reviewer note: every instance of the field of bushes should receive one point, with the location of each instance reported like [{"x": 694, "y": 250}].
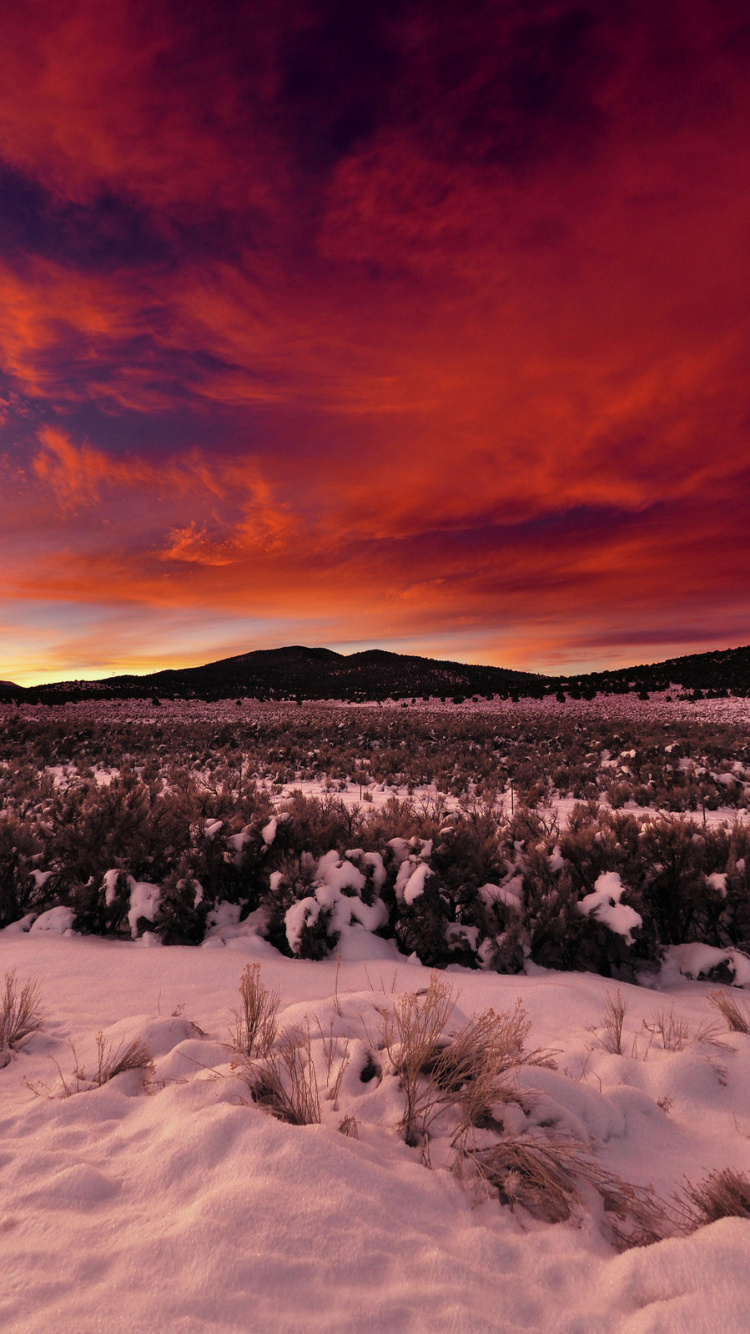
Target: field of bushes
[{"x": 493, "y": 838}]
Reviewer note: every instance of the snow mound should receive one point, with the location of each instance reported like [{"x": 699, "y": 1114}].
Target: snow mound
[{"x": 56, "y": 921}]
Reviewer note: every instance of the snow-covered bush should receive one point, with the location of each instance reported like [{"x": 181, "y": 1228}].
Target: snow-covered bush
[{"x": 342, "y": 898}]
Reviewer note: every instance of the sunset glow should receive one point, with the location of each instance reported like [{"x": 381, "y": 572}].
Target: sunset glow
[{"x": 409, "y": 325}]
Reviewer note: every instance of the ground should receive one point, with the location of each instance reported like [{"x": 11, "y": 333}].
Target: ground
[{"x": 182, "y": 1206}]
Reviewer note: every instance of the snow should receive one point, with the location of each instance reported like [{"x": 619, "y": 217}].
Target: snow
[
  {"x": 336, "y": 889},
  {"x": 109, "y": 885},
  {"x": 697, "y": 960},
  {"x": 56, "y": 921},
  {"x": 268, "y": 832},
  {"x": 23, "y": 924},
  {"x": 556, "y": 860},
  {"x": 188, "y": 1209},
  {"x": 144, "y": 902},
  {"x": 223, "y": 927},
  {"x": 718, "y": 881},
  {"x": 375, "y": 860},
  {"x": 305, "y": 912},
  {"x": 510, "y": 893},
  {"x": 604, "y": 904},
  {"x": 238, "y": 842},
  {"x": 414, "y": 886}
]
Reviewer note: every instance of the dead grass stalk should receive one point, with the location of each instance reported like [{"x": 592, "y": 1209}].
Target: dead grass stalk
[
  {"x": 254, "y": 1031},
  {"x": 613, "y": 1019},
  {"x": 550, "y": 1178},
  {"x": 21, "y": 1012},
  {"x": 412, "y": 1034},
  {"x": 737, "y": 1020},
  {"x": 285, "y": 1083},
  {"x": 721, "y": 1194}
]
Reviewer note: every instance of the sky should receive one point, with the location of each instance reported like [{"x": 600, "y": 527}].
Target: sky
[{"x": 405, "y": 324}]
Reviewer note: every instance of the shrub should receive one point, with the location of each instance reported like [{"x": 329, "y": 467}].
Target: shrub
[
  {"x": 20, "y": 847},
  {"x": 183, "y": 908}
]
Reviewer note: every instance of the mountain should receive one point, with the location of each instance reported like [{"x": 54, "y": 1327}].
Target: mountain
[
  {"x": 312, "y": 673},
  {"x": 320, "y": 673}
]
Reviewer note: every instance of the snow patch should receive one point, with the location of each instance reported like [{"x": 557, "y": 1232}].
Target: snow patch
[
  {"x": 144, "y": 902},
  {"x": 604, "y": 904}
]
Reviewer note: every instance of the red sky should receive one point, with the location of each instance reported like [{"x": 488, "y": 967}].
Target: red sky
[{"x": 410, "y": 324}]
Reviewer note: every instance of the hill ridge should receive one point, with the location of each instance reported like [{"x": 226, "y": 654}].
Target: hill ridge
[{"x": 298, "y": 671}]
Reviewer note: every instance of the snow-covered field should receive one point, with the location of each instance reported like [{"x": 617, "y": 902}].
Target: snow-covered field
[
  {"x": 427, "y": 795},
  {"x": 183, "y": 1207}
]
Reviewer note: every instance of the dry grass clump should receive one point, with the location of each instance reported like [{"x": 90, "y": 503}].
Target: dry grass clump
[
  {"x": 470, "y": 1069},
  {"x": 285, "y": 1083},
  {"x": 550, "y": 1176},
  {"x": 110, "y": 1061},
  {"x": 615, "y": 1008},
  {"x": 673, "y": 1031},
  {"x": 721, "y": 1194},
  {"x": 21, "y": 1012},
  {"x": 412, "y": 1035},
  {"x": 675, "y": 1035},
  {"x": 474, "y": 1069},
  {"x": 737, "y": 1020},
  {"x": 254, "y": 1031},
  {"x": 491, "y": 1041}
]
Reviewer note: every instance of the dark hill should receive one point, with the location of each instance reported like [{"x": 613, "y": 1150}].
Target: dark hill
[
  {"x": 320, "y": 673},
  {"x": 724, "y": 671},
  {"x": 311, "y": 673}
]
